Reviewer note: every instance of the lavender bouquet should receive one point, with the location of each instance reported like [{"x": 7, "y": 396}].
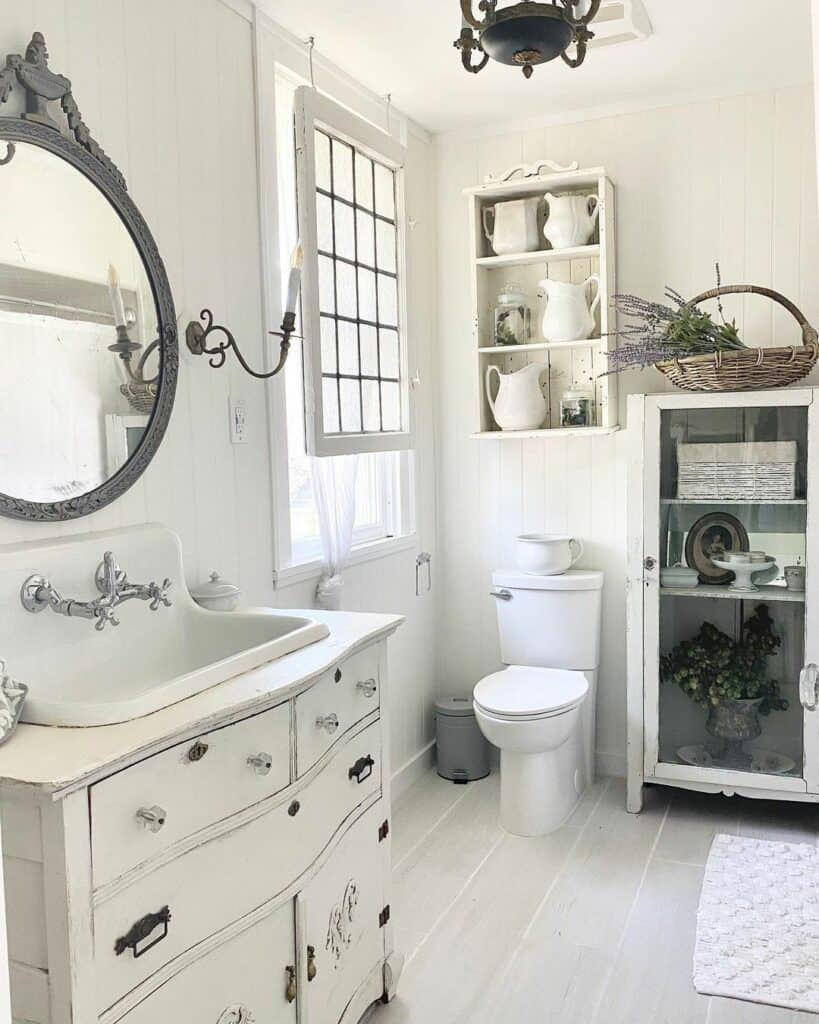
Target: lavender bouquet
[{"x": 653, "y": 332}]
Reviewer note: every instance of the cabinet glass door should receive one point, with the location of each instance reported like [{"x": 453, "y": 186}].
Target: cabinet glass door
[{"x": 726, "y": 608}]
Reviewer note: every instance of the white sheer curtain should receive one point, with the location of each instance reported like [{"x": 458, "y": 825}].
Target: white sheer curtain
[{"x": 334, "y": 481}]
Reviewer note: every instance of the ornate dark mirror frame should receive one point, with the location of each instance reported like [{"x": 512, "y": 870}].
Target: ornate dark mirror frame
[{"x": 36, "y": 126}]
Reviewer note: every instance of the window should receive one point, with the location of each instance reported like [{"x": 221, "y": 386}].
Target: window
[
  {"x": 384, "y": 506},
  {"x": 350, "y": 188}
]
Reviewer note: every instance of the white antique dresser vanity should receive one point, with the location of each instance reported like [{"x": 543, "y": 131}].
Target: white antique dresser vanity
[{"x": 223, "y": 861}]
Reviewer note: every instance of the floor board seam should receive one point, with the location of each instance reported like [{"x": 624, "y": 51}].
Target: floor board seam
[
  {"x": 512, "y": 957},
  {"x": 450, "y": 906},
  {"x": 439, "y": 821},
  {"x": 610, "y": 973}
]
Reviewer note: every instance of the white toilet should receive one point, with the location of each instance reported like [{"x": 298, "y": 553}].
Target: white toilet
[{"x": 540, "y": 710}]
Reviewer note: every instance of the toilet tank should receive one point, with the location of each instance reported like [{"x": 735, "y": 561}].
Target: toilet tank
[{"x": 550, "y": 621}]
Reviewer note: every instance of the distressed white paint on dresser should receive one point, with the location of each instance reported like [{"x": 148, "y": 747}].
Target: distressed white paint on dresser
[
  {"x": 328, "y": 709},
  {"x": 252, "y": 876}
]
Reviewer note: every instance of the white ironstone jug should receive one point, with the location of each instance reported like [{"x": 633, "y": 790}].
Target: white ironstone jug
[
  {"x": 570, "y": 311},
  {"x": 513, "y": 226},
  {"x": 519, "y": 404},
  {"x": 571, "y": 220}
]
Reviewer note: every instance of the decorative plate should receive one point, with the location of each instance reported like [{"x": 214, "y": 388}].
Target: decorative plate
[
  {"x": 711, "y": 537},
  {"x": 765, "y": 762}
]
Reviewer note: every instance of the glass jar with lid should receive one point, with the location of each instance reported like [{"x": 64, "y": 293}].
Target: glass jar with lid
[
  {"x": 512, "y": 318},
  {"x": 577, "y": 408}
]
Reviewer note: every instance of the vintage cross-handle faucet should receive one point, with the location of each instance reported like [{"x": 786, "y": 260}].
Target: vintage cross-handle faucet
[{"x": 37, "y": 594}]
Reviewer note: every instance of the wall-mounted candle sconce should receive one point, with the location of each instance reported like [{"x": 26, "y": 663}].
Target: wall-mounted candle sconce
[
  {"x": 141, "y": 391},
  {"x": 196, "y": 335}
]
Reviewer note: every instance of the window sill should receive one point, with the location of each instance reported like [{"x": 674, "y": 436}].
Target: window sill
[{"x": 293, "y": 574}]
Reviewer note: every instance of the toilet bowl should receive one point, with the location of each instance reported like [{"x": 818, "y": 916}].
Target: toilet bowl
[
  {"x": 532, "y": 715},
  {"x": 539, "y": 710}
]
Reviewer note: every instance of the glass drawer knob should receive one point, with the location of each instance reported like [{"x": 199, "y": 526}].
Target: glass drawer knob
[
  {"x": 261, "y": 763},
  {"x": 329, "y": 723},
  {"x": 152, "y": 818},
  {"x": 367, "y": 687}
]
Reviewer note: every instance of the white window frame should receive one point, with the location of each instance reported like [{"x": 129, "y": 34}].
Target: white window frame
[
  {"x": 315, "y": 111},
  {"x": 277, "y": 52}
]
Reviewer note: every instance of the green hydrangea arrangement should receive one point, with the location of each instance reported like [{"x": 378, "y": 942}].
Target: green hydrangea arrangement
[{"x": 712, "y": 667}]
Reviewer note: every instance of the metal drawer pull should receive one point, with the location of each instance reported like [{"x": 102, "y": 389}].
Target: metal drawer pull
[
  {"x": 290, "y": 991},
  {"x": 362, "y": 769},
  {"x": 367, "y": 687},
  {"x": 141, "y": 931},
  {"x": 312, "y": 970},
  {"x": 152, "y": 818},
  {"x": 501, "y": 595},
  {"x": 329, "y": 723},
  {"x": 261, "y": 763},
  {"x": 197, "y": 751}
]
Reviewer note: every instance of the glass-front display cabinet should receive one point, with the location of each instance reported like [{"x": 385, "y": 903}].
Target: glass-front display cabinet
[{"x": 723, "y": 638}]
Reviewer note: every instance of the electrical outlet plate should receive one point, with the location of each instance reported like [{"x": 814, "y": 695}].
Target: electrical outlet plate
[{"x": 238, "y": 420}]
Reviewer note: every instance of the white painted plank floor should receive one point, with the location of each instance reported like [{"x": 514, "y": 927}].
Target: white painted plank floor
[{"x": 594, "y": 923}]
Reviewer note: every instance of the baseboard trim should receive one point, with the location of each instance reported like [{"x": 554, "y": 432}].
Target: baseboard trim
[{"x": 413, "y": 769}]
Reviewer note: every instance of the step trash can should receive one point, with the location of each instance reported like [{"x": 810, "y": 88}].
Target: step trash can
[{"x": 463, "y": 753}]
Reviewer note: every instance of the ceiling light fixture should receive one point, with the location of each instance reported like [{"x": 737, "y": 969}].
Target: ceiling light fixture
[{"x": 526, "y": 34}]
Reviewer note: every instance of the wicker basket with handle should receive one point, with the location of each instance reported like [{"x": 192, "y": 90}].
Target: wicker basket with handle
[{"x": 749, "y": 369}]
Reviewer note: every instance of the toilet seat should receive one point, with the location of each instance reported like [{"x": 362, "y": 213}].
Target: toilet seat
[{"x": 524, "y": 693}]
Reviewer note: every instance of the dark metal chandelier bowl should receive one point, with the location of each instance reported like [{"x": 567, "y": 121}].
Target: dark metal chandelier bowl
[{"x": 525, "y": 34}]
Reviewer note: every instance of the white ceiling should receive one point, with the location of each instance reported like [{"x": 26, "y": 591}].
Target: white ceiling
[{"x": 698, "y": 48}]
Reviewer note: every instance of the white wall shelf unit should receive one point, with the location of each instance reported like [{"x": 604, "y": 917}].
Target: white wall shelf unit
[
  {"x": 568, "y": 365},
  {"x": 664, "y": 725}
]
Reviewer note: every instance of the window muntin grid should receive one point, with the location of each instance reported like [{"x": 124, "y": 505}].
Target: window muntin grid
[{"x": 357, "y": 241}]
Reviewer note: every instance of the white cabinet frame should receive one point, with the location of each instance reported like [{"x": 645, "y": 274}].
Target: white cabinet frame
[{"x": 643, "y": 642}]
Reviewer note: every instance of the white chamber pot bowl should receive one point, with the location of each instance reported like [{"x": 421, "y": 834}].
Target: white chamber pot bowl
[{"x": 546, "y": 554}]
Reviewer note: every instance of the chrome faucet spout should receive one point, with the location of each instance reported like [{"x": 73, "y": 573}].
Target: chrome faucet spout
[{"x": 115, "y": 589}]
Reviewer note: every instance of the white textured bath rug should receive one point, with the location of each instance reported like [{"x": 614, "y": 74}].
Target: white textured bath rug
[{"x": 758, "y": 923}]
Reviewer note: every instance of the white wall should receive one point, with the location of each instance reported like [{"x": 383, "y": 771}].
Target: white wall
[
  {"x": 167, "y": 89},
  {"x": 731, "y": 180}
]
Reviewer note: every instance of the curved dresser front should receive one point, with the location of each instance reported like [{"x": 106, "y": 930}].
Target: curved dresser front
[{"x": 240, "y": 875}]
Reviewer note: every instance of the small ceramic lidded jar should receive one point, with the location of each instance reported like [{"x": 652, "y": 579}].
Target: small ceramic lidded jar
[
  {"x": 217, "y": 595},
  {"x": 513, "y": 317},
  {"x": 577, "y": 408}
]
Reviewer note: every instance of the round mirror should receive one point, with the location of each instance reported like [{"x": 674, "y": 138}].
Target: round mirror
[{"x": 87, "y": 332}]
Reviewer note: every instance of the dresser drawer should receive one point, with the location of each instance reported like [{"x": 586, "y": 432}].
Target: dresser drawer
[
  {"x": 187, "y": 788},
  {"x": 225, "y": 878},
  {"x": 334, "y": 704},
  {"x": 243, "y": 981}
]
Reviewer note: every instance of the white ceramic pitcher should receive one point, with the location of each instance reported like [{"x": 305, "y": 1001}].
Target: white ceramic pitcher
[
  {"x": 571, "y": 220},
  {"x": 513, "y": 226},
  {"x": 569, "y": 312},
  {"x": 519, "y": 404}
]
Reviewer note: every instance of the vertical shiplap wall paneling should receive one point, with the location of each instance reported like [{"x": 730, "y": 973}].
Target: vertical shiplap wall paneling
[
  {"x": 789, "y": 147},
  {"x": 808, "y": 240},
  {"x": 759, "y": 214},
  {"x": 732, "y": 181},
  {"x": 733, "y": 224}
]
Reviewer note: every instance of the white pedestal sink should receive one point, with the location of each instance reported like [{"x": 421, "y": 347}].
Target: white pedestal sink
[{"x": 78, "y": 676}]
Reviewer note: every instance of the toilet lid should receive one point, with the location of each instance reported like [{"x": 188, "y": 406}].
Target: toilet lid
[{"x": 519, "y": 691}]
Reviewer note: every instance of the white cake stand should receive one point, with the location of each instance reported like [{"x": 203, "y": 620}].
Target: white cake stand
[{"x": 744, "y": 571}]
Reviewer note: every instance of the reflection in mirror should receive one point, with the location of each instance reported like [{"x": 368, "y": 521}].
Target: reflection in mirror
[{"x": 78, "y": 327}]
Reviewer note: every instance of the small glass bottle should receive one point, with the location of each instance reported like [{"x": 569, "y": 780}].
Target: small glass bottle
[
  {"x": 577, "y": 408},
  {"x": 513, "y": 317}
]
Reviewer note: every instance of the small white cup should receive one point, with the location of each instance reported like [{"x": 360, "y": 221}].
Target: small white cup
[{"x": 795, "y": 577}]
